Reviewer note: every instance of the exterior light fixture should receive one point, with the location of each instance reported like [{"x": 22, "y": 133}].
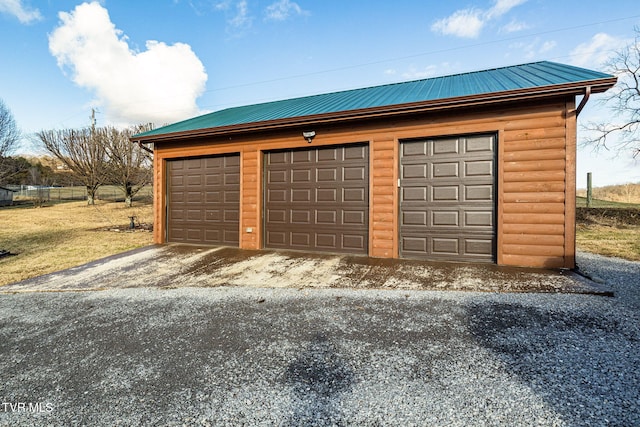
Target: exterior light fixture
[{"x": 309, "y": 136}]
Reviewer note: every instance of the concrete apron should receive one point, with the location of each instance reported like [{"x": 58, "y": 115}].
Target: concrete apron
[{"x": 175, "y": 266}]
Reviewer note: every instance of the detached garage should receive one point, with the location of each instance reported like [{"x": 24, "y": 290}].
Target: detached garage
[{"x": 473, "y": 167}]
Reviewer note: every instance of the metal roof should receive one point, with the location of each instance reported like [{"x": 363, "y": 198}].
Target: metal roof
[{"x": 506, "y": 79}]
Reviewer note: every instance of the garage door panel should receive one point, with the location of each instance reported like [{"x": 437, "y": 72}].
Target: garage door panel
[
  {"x": 354, "y": 195},
  {"x": 326, "y": 195},
  {"x": 354, "y": 217},
  {"x": 232, "y": 197},
  {"x": 445, "y": 170},
  {"x": 327, "y": 241},
  {"x": 303, "y": 195},
  {"x": 415, "y": 149},
  {"x": 447, "y": 246},
  {"x": 445, "y": 146},
  {"x": 276, "y": 176},
  {"x": 441, "y": 219},
  {"x": 449, "y": 213},
  {"x": 479, "y": 144},
  {"x": 300, "y": 239},
  {"x": 327, "y": 155},
  {"x": 315, "y": 197},
  {"x": 414, "y": 218},
  {"x": 204, "y": 200},
  {"x": 327, "y": 174},
  {"x": 278, "y": 158},
  {"x": 479, "y": 168},
  {"x": 448, "y": 193},
  {"x": 302, "y": 157},
  {"x": 478, "y": 219},
  {"x": 353, "y": 242},
  {"x": 276, "y": 195},
  {"x": 231, "y": 178},
  {"x": 478, "y": 193},
  {"x": 354, "y": 173},
  {"x": 478, "y": 247},
  {"x": 355, "y": 152},
  {"x": 326, "y": 217},
  {"x": 277, "y": 216},
  {"x": 416, "y": 245},
  {"x": 414, "y": 194},
  {"x": 194, "y": 180},
  {"x": 414, "y": 171}
]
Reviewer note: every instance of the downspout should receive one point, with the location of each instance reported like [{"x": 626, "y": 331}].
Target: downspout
[
  {"x": 147, "y": 149},
  {"x": 583, "y": 102}
]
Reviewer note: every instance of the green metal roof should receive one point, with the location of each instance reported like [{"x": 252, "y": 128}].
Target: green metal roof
[{"x": 518, "y": 77}]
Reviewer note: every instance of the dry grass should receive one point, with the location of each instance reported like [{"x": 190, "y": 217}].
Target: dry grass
[
  {"x": 610, "y": 241},
  {"x": 66, "y": 235},
  {"x": 610, "y": 232}
]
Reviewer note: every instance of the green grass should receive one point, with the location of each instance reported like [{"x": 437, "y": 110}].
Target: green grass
[{"x": 581, "y": 202}]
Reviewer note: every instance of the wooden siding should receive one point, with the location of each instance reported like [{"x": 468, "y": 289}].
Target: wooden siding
[
  {"x": 535, "y": 175},
  {"x": 250, "y": 199},
  {"x": 533, "y": 213},
  {"x": 383, "y": 213}
]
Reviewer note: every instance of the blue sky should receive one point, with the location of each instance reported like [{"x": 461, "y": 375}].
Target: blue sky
[{"x": 165, "y": 60}]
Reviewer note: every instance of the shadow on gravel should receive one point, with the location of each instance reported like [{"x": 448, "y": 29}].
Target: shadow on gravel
[
  {"x": 318, "y": 377},
  {"x": 581, "y": 365}
]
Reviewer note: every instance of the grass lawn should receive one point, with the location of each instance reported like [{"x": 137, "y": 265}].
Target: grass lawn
[
  {"x": 609, "y": 241},
  {"x": 65, "y": 235},
  {"x": 613, "y": 229}
]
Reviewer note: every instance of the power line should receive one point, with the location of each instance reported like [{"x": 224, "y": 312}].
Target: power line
[{"x": 433, "y": 52}]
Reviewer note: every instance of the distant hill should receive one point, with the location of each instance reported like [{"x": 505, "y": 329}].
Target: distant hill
[{"x": 624, "y": 193}]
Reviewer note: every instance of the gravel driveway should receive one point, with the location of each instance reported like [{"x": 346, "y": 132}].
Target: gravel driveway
[{"x": 287, "y": 357}]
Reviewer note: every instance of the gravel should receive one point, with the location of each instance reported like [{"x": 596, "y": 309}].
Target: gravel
[{"x": 257, "y": 356}]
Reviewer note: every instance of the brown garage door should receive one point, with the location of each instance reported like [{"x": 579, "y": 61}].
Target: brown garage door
[
  {"x": 318, "y": 199},
  {"x": 447, "y": 207},
  {"x": 204, "y": 200}
]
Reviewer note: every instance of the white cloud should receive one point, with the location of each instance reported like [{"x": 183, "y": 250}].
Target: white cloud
[
  {"x": 24, "y": 14},
  {"x": 241, "y": 18},
  {"x": 159, "y": 85},
  {"x": 547, "y": 46},
  {"x": 463, "y": 23},
  {"x": 428, "y": 71},
  {"x": 469, "y": 22},
  {"x": 514, "y": 26},
  {"x": 533, "y": 50},
  {"x": 501, "y": 7},
  {"x": 282, "y": 10},
  {"x": 597, "y": 51},
  {"x": 238, "y": 16}
]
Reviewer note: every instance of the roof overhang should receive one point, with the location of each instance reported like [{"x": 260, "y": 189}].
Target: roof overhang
[{"x": 493, "y": 98}]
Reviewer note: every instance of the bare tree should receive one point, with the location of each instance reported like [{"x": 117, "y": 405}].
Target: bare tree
[
  {"x": 130, "y": 166},
  {"x": 623, "y": 133},
  {"x": 9, "y": 139},
  {"x": 81, "y": 151}
]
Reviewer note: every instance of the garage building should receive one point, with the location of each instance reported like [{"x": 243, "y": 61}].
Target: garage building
[{"x": 473, "y": 167}]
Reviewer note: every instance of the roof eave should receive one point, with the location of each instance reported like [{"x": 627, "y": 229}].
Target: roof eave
[{"x": 577, "y": 88}]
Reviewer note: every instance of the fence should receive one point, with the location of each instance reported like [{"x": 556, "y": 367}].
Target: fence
[{"x": 47, "y": 194}]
